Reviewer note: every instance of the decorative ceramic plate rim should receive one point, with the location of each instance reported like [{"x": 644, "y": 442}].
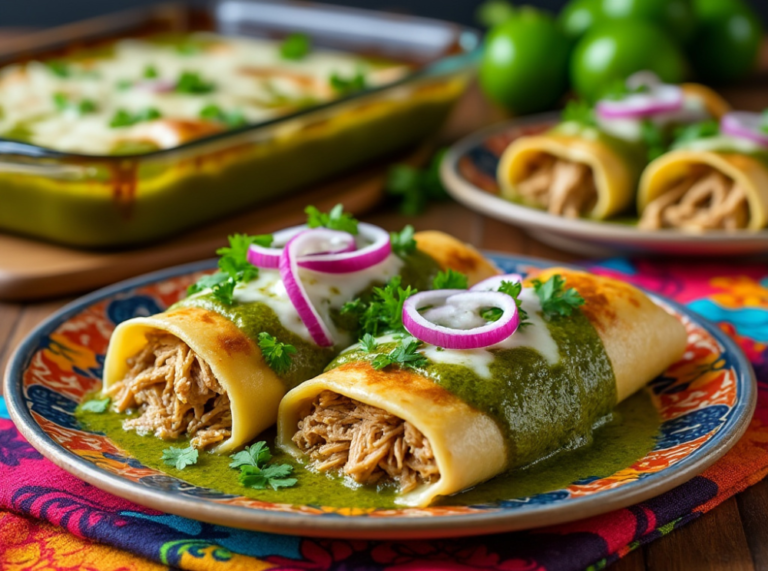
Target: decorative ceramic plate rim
[
  {"x": 394, "y": 527},
  {"x": 476, "y": 198}
]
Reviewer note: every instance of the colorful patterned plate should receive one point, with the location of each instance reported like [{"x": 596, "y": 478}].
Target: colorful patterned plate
[
  {"x": 705, "y": 403},
  {"x": 469, "y": 174}
]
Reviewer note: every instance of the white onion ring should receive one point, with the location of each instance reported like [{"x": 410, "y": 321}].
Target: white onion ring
[
  {"x": 447, "y": 304},
  {"x": 301, "y": 245},
  {"x": 494, "y": 283},
  {"x": 661, "y": 98},
  {"x": 341, "y": 257},
  {"x": 745, "y": 125}
]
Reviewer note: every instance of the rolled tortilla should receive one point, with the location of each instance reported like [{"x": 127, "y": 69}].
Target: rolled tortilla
[
  {"x": 406, "y": 425},
  {"x": 577, "y": 171},
  {"x": 704, "y": 190},
  {"x": 197, "y": 371}
]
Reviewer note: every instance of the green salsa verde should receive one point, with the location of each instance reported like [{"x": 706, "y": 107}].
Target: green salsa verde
[
  {"x": 417, "y": 271},
  {"x": 628, "y": 436},
  {"x": 539, "y": 407}
]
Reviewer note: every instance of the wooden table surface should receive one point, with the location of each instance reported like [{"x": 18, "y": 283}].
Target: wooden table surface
[{"x": 732, "y": 537}]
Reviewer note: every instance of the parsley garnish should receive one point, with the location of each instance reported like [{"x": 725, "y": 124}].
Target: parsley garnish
[
  {"x": 234, "y": 266},
  {"x": 124, "y": 118},
  {"x": 347, "y": 85},
  {"x": 654, "y": 139},
  {"x": 404, "y": 355},
  {"x": 581, "y": 112},
  {"x": 295, "y": 46},
  {"x": 384, "y": 312},
  {"x": 191, "y": 83},
  {"x": 96, "y": 405},
  {"x": 556, "y": 301},
  {"x": 336, "y": 219},
  {"x": 64, "y": 103},
  {"x": 180, "y": 458},
  {"x": 368, "y": 343},
  {"x": 416, "y": 187},
  {"x": 402, "y": 242},
  {"x": 513, "y": 289},
  {"x": 450, "y": 279},
  {"x": 254, "y": 471},
  {"x": 696, "y": 131},
  {"x": 277, "y": 355},
  {"x": 150, "y": 72},
  {"x": 215, "y": 113}
]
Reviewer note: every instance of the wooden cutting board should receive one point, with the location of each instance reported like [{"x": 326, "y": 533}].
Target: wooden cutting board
[{"x": 30, "y": 269}]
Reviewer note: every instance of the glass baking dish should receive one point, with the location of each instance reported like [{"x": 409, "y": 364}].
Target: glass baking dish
[{"x": 107, "y": 201}]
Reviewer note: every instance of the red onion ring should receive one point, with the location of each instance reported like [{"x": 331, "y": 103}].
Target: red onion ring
[
  {"x": 660, "y": 99},
  {"x": 155, "y": 85},
  {"x": 298, "y": 246},
  {"x": 336, "y": 259},
  {"x": 447, "y": 303},
  {"x": 745, "y": 125},
  {"x": 494, "y": 283}
]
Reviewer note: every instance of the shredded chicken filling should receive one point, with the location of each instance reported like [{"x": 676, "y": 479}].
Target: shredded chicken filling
[
  {"x": 365, "y": 442},
  {"x": 562, "y": 187},
  {"x": 704, "y": 200},
  {"x": 175, "y": 392}
]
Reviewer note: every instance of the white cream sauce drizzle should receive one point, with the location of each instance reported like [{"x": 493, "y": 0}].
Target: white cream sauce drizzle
[
  {"x": 325, "y": 291},
  {"x": 535, "y": 335}
]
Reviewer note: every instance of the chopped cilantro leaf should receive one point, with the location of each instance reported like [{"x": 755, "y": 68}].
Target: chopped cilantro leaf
[
  {"x": 336, "y": 219},
  {"x": 295, "y": 46},
  {"x": 207, "y": 282},
  {"x": 124, "y": 84},
  {"x": 191, "y": 83},
  {"x": 696, "y": 131},
  {"x": 96, "y": 405},
  {"x": 384, "y": 311},
  {"x": 231, "y": 119},
  {"x": 556, "y": 301},
  {"x": 180, "y": 458},
  {"x": 581, "y": 112},
  {"x": 150, "y": 72},
  {"x": 416, "y": 187},
  {"x": 403, "y": 243},
  {"x": 254, "y": 471},
  {"x": 368, "y": 343},
  {"x": 405, "y": 355},
  {"x": 450, "y": 279},
  {"x": 63, "y": 103},
  {"x": 654, "y": 139},
  {"x": 124, "y": 118},
  {"x": 254, "y": 455},
  {"x": 347, "y": 85},
  {"x": 59, "y": 68},
  {"x": 277, "y": 355}
]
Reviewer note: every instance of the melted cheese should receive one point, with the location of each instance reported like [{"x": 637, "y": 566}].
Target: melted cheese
[{"x": 249, "y": 77}]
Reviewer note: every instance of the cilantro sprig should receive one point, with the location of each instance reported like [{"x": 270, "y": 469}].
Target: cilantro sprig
[
  {"x": 405, "y": 355},
  {"x": 384, "y": 311},
  {"x": 513, "y": 289},
  {"x": 336, "y": 219},
  {"x": 192, "y": 83},
  {"x": 234, "y": 267},
  {"x": 368, "y": 343},
  {"x": 415, "y": 187},
  {"x": 581, "y": 112},
  {"x": 256, "y": 473},
  {"x": 278, "y": 355},
  {"x": 556, "y": 301},
  {"x": 403, "y": 243},
  {"x": 450, "y": 279},
  {"x": 180, "y": 458},
  {"x": 295, "y": 47},
  {"x": 654, "y": 138},
  {"x": 96, "y": 405},
  {"x": 696, "y": 131}
]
